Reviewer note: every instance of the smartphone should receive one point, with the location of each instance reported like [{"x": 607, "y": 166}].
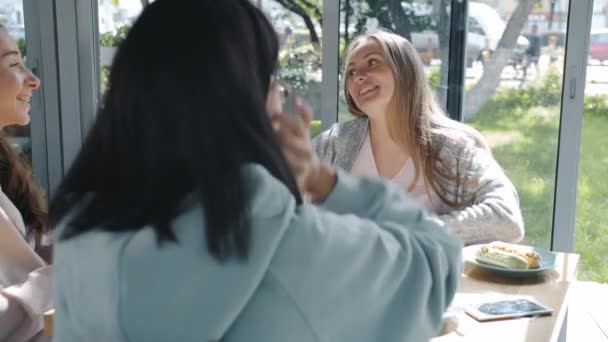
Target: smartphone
[
  {"x": 509, "y": 308},
  {"x": 289, "y": 106}
]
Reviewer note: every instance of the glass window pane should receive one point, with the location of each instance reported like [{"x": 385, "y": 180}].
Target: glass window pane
[
  {"x": 299, "y": 27},
  {"x": 591, "y": 225},
  {"x": 115, "y": 18},
  {"x": 513, "y": 97},
  {"x": 424, "y": 24},
  {"x": 11, "y": 17}
]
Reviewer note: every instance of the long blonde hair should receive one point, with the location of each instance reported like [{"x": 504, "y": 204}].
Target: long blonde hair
[{"x": 414, "y": 118}]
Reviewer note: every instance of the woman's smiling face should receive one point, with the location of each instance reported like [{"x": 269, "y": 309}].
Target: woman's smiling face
[
  {"x": 17, "y": 83},
  {"x": 369, "y": 78}
]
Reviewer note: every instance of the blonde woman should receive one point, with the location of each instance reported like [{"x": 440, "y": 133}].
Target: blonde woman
[
  {"x": 402, "y": 135},
  {"x": 25, "y": 287}
]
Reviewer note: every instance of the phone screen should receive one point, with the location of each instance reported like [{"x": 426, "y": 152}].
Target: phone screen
[
  {"x": 289, "y": 107},
  {"x": 507, "y": 307}
]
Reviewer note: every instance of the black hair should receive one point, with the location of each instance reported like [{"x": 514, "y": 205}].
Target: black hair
[{"x": 184, "y": 111}]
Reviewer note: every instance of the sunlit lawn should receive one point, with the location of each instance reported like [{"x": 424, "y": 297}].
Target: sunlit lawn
[{"x": 525, "y": 144}]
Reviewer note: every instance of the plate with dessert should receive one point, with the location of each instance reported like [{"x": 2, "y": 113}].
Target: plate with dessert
[{"x": 510, "y": 259}]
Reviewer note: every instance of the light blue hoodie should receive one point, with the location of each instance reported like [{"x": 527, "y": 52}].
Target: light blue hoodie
[{"x": 366, "y": 265}]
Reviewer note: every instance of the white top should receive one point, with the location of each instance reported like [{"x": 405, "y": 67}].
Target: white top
[
  {"x": 365, "y": 165},
  {"x": 24, "y": 276}
]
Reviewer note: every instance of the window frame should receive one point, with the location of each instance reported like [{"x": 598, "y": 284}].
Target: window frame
[{"x": 69, "y": 97}]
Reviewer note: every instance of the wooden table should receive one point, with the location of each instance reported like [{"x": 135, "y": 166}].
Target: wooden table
[{"x": 550, "y": 288}]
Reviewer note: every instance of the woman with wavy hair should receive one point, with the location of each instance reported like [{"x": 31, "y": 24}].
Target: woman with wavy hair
[
  {"x": 25, "y": 290},
  {"x": 401, "y": 134}
]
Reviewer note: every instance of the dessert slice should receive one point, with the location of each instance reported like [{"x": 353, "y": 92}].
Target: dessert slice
[
  {"x": 532, "y": 257},
  {"x": 500, "y": 258}
]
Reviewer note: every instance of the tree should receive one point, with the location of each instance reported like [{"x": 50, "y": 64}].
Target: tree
[
  {"x": 347, "y": 12},
  {"x": 490, "y": 79},
  {"x": 401, "y": 20},
  {"x": 306, "y": 9},
  {"x": 399, "y": 17},
  {"x": 551, "y": 13},
  {"x": 395, "y": 15}
]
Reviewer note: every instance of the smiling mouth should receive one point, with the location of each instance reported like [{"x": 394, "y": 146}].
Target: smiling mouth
[
  {"x": 367, "y": 89},
  {"x": 24, "y": 99}
]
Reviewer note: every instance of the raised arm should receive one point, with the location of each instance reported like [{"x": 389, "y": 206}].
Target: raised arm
[{"x": 368, "y": 265}]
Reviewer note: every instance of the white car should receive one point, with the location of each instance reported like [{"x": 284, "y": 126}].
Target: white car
[{"x": 484, "y": 23}]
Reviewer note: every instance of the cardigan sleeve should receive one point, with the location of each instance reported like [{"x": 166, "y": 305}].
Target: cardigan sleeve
[
  {"x": 321, "y": 145},
  {"x": 24, "y": 276},
  {"x": 493, "y": 212}
]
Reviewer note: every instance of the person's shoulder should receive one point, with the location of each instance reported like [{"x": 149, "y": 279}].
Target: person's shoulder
[
  {"x": 459, "y": 140},
  {"x": 269, "y": 196},
  {"x": 464, "y": 151},
  {"x": 342, "y": 129},
  {"x": 10, "y": 215}
]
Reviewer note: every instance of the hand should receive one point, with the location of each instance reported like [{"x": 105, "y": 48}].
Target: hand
[
  {"x": 314, "y": 179},
  {"x": 294, "y": 138},
  {"x": 12, "y": 316}
]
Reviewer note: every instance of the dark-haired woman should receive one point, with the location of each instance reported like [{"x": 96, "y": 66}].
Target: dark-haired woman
[
  {"x": 25, "y": 291},
  {"x": 182, "y": 216}
]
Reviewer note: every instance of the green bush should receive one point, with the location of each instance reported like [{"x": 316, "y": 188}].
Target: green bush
[
  {"x": 596, "y": 106},
  {"x": 113, "y": 39},
  {"x": 22, "y": 46},
  {"x": 105, "y": 74},
  {"x": 546, "y": 92},
  {"x": 549, "y": 92},
  {"x": 434, "y": 78},
  {"x": 315, "y": 128}
]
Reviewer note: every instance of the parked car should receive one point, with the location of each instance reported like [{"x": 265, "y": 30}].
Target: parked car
[{"x": 598, "y": 44}]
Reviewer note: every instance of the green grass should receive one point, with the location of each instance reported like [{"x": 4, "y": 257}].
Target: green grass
[
  {"x": 591, "y": 226},
  {"x": 527, "y": 152}
]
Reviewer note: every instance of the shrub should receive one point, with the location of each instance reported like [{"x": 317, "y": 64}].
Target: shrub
[
  {"x": 550, "y": 91},
  {"x": 113, "y": 39},
  {"x": 546, "y": 92},
  {"x": 434, "y": 78},
  {"x": 596, "y": 106},
  {"x": 22, "y": 46},
  {"x": 315, "y": 127},
  {"x": 105, "y": 75}
]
